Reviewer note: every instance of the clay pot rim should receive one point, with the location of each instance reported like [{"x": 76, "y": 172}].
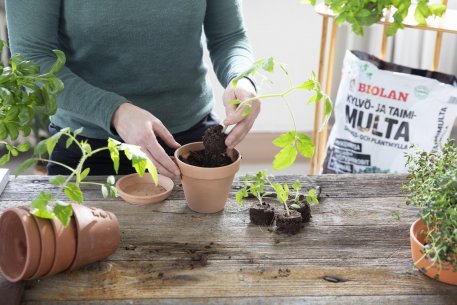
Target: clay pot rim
[
  {"x": 163, "y": 181},
  {"x": 177, "y": 151},
  {"x": 33, "y": 230}
]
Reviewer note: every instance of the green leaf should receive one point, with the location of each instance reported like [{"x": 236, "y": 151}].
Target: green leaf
[
  {"x": 63, "y": 212},
  {"x": 23, "y": 147},
  {"x": 74, "y": 193},
  {"x": 312, "y": 196},
  {"x": 114, "y": 153},
  {"x": 234, "y": 102},
  {"x": 240, "y": 195},
  {"x": 13, "y": 130},
  {"x": 6, "y": 96},
  {"x": 294, "y": 206},
  {"x": 328, "y": 106},
  {"x": 3, "y": 131},
  {"x": 84, "y": 174},
  {"x": 5, "y": 159},
  {"x": 247, "y": 110},
  {"x": 25, "y": 116},
  {"x": 54, "y": 85},
  {"x": 86, "y": 147},
  {"x": 305, "y": 146},
  {"x": 104, "y": 191},
  {"x": 57, "y": 180},
  {"x": 297, "y": 185},
  {"x": 78, "y": 131},
  {"x": 40, "y": 204},
  {"x": 14, "y": 152},
  {"x": 12, "y": 113},
  {"x": 52, "y": 142},
  {"x": 25, "y": 166},
  {"x": 68, "y": 142},
  {"x": 59, "y": 63},
  {"x": 113, "y": 191},
  {"x": 40, "y": 148},
  {"x": 284, "y": 68},
  {"x": 420, "y": 18},
  {"x": 110, "y": 180},
  {"x": 152, "y": 170},
  {"x": 307, "y": 85},
  {"x": 285, "y": 158},
  {"x": 285, "y": 139},
  {"x": 269, "y": 65}
]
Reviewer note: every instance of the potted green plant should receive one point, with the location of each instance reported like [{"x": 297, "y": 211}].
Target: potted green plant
[
  {"x": 360, "y": 14},
  {"x": 432, "y": 187}
]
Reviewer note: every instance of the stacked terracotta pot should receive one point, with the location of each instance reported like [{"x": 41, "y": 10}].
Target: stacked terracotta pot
[{"x": 32, "y": 248}]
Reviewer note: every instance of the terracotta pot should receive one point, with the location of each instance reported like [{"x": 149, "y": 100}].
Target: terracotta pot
[
  {"x": 20, "y": 246},
  {"x": 446, "y": 275},
  {"x": 141, "y": 190},
  {"x": 98, "y": 235},
  {"x": 48, "y": 247},
  {"x": 65, "y": 246},
  {"x": 206, "y": 189}
]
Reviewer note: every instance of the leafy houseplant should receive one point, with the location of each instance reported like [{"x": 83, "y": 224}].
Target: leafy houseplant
[
  {"x": 432, "y": 188},
  {"x": 49, "y": 206},
  {"x": 24, "y": 95},
  {"x": 364, "y": 13}
]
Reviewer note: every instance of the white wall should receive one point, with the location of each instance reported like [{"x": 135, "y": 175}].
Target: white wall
[{"x": 290, "y": 32}]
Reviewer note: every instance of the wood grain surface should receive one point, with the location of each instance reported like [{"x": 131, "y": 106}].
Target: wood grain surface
[{"x": 354, "y": 251}]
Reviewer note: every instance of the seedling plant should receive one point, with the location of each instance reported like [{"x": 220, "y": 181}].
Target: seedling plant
[{"x": 50, "y": 206}]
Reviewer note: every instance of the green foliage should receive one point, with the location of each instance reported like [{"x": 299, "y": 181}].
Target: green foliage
[
  {"x": 363, "y": 13},
  {"x": 26, "y": 95},
  {"x": 432, "y": 188},
  {"x": 47, "y": 205},
  {"x": 291, "y": 143},
  {"x": 256, "y": 186}
]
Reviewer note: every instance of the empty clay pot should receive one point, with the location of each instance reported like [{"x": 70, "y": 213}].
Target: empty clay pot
[
  {"x": 98, "y": 235},
  {"x": 48, "y": 247},
  {"x": 141, "y": 190},
  {"x": 206, "y": 189},
  {"x": 446, "y": 274},
  {"x": 20, "y": 245},
  {"x": 65, "y": 246}
]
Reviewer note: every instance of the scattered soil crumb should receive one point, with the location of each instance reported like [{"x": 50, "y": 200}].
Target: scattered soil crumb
[
  {"x": 130, "y": 247},
  {"x": 160, "y": 274},
  {"x": 283, "y": 272}
]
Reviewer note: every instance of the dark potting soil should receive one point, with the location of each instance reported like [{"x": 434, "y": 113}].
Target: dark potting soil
[
  {"x": 289, "y": 224},
  {"x": 304, "y": 210},
  {"x": 215, "y": 152},
  {"x": 262, "y": 214}
]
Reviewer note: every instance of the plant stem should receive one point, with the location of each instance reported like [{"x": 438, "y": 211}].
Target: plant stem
[{"x": 55, "y": 162}]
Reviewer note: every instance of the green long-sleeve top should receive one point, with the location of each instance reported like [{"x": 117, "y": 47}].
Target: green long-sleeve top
[{"x": 148, "y": 52}]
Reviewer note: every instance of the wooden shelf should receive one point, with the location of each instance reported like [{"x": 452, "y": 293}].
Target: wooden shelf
[{"x": 446, "y": 24}]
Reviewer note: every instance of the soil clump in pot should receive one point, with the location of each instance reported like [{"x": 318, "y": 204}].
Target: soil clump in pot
[
  {"x": 215, "y": 152},
  {"x": 262, "y": 214}
]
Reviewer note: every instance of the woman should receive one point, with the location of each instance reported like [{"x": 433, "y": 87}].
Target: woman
[{"x": 135, "y": 71}]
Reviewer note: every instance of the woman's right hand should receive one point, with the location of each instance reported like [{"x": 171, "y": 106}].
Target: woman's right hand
[{"x": 139, "y": 127}]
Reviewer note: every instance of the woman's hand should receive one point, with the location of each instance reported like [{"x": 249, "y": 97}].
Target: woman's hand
[
  {"x": 139, "y": 127},
  {"x": 243, "y": 91}
]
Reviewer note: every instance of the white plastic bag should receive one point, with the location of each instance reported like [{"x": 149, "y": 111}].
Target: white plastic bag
[{"x": 382, "y": 109}]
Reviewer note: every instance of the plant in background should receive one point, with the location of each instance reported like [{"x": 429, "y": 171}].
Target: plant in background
[
  {"x": 292, "y": 142},
  {"x": 432, "y": 188},
  {"x": 367, "y": 12},
  {"x": 24, "y": 95},
  {"x": 47, "y": 205}
]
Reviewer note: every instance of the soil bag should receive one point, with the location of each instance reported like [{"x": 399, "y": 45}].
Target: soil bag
[{"x": 382, "y": 109}]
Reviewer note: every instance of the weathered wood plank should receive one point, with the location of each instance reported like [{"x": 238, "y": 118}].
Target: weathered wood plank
[
  {"x": 151, "y": 279},
  {"x": 170, "y": 254},
  {"x": 340, "y": 300}
]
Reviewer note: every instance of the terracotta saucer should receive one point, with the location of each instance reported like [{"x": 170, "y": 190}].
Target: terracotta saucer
[{"x": 142, "y": 190}]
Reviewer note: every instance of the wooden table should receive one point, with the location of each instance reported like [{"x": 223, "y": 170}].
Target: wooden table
[{"x": 354, "y": 251}]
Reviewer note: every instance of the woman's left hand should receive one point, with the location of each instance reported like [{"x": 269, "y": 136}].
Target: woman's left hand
[{"x": 243, "y": 124}]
